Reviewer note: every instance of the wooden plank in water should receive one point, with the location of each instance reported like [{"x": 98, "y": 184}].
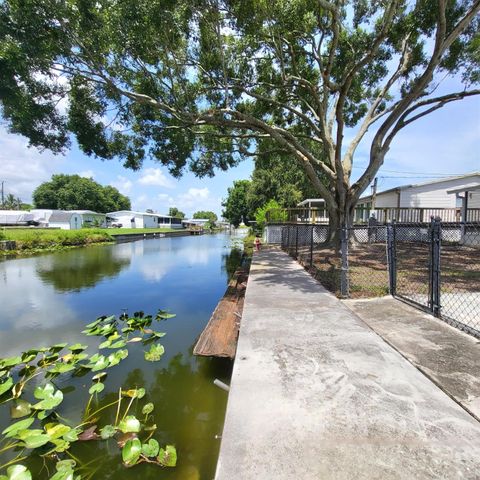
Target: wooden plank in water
[{"x": 219, "y": 338}]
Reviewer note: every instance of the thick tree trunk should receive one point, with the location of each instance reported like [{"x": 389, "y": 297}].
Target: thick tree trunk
[{"x": 339, "y": 218}]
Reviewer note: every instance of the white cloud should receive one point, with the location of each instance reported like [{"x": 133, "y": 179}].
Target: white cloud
[
  {"x": 192, "y": 200},
  {"x": 195, "y": 199},
  {"x": 122, "y": 184},
  {"x": 155, "y": 176},
  {"x": 87, "y": 174},
  {"x": 23, "y": 169}
]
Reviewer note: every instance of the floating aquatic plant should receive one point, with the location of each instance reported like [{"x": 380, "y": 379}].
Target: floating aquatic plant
[{"x": 42, "y": 430}]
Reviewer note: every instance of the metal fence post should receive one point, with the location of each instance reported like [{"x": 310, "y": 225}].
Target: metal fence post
[
  {"x": 436, "y": 239},
  {"x": 344, "y": 281},
  {"x": 311, "y": 246},
  {"x": 296, "y": 241},
  {"x": 392, "y": 257}
]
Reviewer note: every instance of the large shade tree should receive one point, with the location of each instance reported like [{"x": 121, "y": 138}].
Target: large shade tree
[
  {"x": 199, "y": 83},
  {"x": 73, "y": 192}
]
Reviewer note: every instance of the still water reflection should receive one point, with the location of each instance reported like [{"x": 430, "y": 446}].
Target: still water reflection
[{"x": 47, "y": 299}]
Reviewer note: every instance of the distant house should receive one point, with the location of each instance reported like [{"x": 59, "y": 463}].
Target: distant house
[
  {"x": 132, "y": 219},
  {"x": 428, "y": 198},
  {"x": 317, "y": 209},
  {"x": 65, "y": 220},
  {"x": 195, "y": 222},
  {"x": 92, "y": 219}
]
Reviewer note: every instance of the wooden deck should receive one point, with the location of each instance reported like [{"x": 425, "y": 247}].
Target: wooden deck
[{"x": 219, "y": 338}]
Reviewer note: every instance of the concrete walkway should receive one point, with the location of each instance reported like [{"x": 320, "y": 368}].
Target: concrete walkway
[
  {"x": 449, "y": 357},
  {"x": 317, "y": 395}
]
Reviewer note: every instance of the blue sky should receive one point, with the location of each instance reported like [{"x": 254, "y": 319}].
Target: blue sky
[{"x": 444, "y": 142}]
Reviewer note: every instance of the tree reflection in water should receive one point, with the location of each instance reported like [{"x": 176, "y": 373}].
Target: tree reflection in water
[{"x": 75, "y": 269}]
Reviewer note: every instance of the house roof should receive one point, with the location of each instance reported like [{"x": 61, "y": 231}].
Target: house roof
[
  {"x": 415, "y": 185},
  {"x": 309, "y": 200},
  {"x": 86, "y": 212},
  {"x": 132, "y": 212},
  {"x": 59, "y": 216},
  {"x": 473, "y": 187}
]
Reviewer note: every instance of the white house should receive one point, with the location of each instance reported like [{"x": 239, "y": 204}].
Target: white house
[
  {"x": 444, "y": 198},
  {"x": 65, "y": 220},
  {"x": 317, "y": 208},
  {"x": 195, "y": 222},
  {"x": 132, "y": 219},
  {"x": 92, "y": 219}
]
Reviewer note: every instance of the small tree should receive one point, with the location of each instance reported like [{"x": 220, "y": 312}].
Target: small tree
[
  {"x": 236, "y": 206},
  {"x": 274, "y": 211},
  {"x": 175, "y": 212}
]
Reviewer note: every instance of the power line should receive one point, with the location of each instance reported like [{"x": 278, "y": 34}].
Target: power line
[{"x": 429, "y": 174}]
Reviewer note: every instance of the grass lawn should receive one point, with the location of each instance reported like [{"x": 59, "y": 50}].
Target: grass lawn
[{"x": 32, "y": 239}]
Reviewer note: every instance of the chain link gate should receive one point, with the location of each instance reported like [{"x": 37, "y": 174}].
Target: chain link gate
[{"x": 432, "y": 265}]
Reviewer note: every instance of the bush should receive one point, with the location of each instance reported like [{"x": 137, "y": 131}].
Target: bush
[
  {"x": 276, "y": 214},
  {"x": 28, "y": 239}
]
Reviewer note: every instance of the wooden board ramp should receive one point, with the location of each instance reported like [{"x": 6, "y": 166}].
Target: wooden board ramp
[{"x": 219, "y": 338}]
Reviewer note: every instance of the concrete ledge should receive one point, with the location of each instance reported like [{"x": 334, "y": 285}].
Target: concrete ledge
[
  {"x": 316, "y": 394},
  {"x": 446, "y": 355}
]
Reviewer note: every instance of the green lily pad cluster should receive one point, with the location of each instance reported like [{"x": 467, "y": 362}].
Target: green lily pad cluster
[{"x": 41, "y": 430}]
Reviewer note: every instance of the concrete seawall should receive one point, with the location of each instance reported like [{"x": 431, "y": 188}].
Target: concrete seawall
[
  {"x": 316, "y": 394},
  {"x": 131, "y": 237}
]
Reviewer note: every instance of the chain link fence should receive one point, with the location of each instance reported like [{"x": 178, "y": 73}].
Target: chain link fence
[{"x": 433, "y": 265}]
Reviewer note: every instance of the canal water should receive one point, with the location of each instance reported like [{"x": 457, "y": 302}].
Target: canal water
[{"x": 49, "y": 298}]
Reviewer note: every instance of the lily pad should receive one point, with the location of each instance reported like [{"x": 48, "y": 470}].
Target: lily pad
[
  {"x": 108, "y": 431},
  {"x": 151, "y": 448},
  {"x": 56, "y": 348},
  {"x": 134, "y": 393},
  {"x": 49, "y": 400},
  {"x": 6, "y": 385},
  {"x": 155, "y": 353},
  {"x": 10, "y": 362},
  {"x": 129, "y": 424},
  {"x": 131, "y": 451},
  {"x": 96, "y": 388},
  {"x": 36, "y": 440},
  {"x": 56, "y": 430},
  {"x": 20, "y": 408},
  {"x": 17, "y": 472},
  {"x": 16, "y": 427},
  {"x": 135, "y": 339},
  {"x": 163, "y": 315},
  {"x": 77, "y": 347},
  {"x": 148, "y": 408},
  {"x": 72, "y": 435},
  {"x": 168, "y": 457},
  {"x": 62, "y": 368}
]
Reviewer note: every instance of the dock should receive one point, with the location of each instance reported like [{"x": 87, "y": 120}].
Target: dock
[
  {"x": 317, "y": 394},
  {"x": 219, "y": 338}
]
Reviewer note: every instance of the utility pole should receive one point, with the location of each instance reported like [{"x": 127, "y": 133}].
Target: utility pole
[
  {"x": 3, "y": 197},
  {"x": 374, "y": 192}
]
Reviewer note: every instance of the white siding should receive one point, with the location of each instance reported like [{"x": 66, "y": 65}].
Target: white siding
[
  {"x": 474, "y": 200},
  {"x": 387, "y": 200},
  {"x": 149, "y": 221},
  {"x": 74, "y": 224},
  {"x": 433, "y": 195}
]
